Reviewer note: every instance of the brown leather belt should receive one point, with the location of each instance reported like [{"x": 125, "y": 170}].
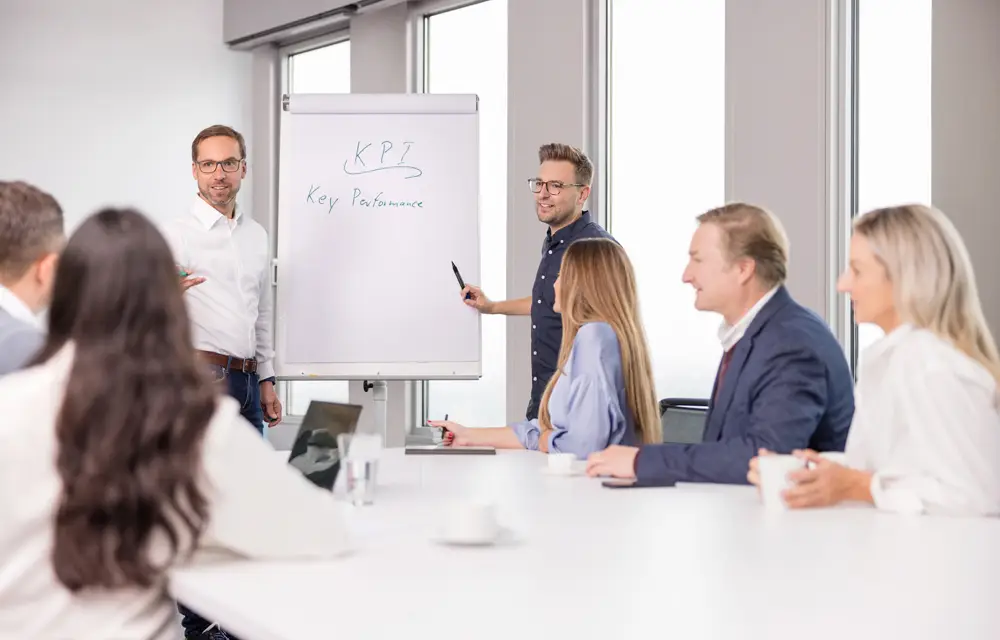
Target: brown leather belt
[{"x": 248, "y": 365}]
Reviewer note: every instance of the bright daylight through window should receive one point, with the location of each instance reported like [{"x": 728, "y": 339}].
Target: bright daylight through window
[
  {"x": 894, "y": 110},
  {"x": 667, "y": 165}
]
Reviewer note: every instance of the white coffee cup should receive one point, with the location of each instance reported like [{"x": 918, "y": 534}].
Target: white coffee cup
[
  {"x": 773, "y": 471},
  {"x": 562, "y": 463},
  {"x": 470, "y": 523}
]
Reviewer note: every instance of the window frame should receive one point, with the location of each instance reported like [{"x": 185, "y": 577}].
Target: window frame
[
  {"x": 850, "y": 30},
  {"x": 842, "y": 165},
  {"x": 417, "y": 27},
  {"x": 598, "y": 107},
  {"x": 600, "y": 16}
]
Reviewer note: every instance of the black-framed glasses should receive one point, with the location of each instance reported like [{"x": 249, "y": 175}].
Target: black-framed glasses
[
  {"x": 229, "y": 166},
  {"x": 552, "y": 186}
]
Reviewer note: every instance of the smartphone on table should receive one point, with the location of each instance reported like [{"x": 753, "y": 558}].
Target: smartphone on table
[{"x": 633, "y": 483}]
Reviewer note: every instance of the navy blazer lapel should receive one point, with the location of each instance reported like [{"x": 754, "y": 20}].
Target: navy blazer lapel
[
  {"x": 778, "y": 301},
  {"x": 741, "y": 350}
]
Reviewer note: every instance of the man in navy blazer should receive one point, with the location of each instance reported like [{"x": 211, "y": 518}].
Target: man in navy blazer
[{"x": 783, "y": 382}]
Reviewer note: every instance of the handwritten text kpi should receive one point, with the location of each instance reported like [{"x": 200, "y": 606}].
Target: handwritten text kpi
[{"x": 370, "y": 157}]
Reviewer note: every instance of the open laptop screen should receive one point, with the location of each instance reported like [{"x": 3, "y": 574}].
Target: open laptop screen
[{"x": 315, "y": 451}]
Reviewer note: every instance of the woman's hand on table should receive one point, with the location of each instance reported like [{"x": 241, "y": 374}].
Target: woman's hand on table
[{"x": 454, "y": 435}]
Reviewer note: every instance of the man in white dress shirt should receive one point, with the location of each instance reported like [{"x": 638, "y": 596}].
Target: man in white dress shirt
[
  {"x": 222, "y": 258},
  {"x": 31, "y": 235}
]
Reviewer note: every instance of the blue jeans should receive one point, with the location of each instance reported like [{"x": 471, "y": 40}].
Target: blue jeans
[{"x": 245, "y": 387}]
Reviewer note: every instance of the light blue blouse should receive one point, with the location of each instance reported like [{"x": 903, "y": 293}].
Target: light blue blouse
[{"x": 588, "y": 407}]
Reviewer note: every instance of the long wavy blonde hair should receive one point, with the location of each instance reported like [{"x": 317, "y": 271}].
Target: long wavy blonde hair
[
  {"x": 597, "y": 284},
  {"x": 933, "y": 282}
]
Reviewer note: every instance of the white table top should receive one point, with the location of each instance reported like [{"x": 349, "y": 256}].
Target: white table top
[{"x": 691, "y": 562}]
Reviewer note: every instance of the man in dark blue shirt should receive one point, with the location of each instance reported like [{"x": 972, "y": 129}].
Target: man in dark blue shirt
[{"x": 561, "y": 189}]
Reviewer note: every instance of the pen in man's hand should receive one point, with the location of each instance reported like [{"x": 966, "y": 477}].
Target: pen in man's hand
[{"x": 461, "y": 283}]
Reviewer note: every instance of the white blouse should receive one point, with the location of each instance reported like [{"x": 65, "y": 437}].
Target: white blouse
[
  {"x": 926, "y": 423},
  {"x": 258, "y": 508}
]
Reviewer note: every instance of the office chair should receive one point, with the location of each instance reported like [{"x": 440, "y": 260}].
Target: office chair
[{"x": 683, "y": 419}]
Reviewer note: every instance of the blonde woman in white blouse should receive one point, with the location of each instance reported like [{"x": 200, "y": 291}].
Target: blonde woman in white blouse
[
  {"x": 926, "y": 431},
  {"x": 119, "y": 461}
]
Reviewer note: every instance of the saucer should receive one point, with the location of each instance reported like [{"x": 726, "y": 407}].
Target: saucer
[
  {"x": 503, "y": 537},
  {"x": 577, "y": 470}
]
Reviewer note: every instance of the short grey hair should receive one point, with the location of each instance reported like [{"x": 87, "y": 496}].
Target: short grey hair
[{"x": 31, "y": 226}]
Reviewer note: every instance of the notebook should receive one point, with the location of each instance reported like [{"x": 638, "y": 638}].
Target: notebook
[
  {"x": 443, "y": 450},
  {"x": 315, "y": 452}
]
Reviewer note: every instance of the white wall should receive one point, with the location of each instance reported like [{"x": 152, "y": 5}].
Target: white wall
[
  {"x": 965, "y": 113},
  {"x": 101, "y": 99},
  {"x": 379, "y": 44},
  {"x": 777, "y": 142},
  {"x": 247, "y": 18}
]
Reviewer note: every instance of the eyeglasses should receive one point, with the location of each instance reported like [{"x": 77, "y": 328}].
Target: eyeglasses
[
  {"x": 229, "y": 166},
  {"x": 554, "y": 187}
]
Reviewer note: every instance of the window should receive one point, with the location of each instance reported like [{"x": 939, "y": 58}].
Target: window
[
  {"x": 325, "y": 69},
  {"x": 893, "y": 76},
  {"x": 465, "y": 51},
  {"x": 667, "y": 165}
]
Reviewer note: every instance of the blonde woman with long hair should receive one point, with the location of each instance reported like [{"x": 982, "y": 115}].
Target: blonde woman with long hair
[
  {"x": 926, "y": 433},
  {"x": 602, "y": 392}
]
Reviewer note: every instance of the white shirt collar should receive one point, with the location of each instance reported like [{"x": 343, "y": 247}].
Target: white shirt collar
[
  {"x": 886, "y": 342},
  {"x": 209, "y": 216},
  {"x": 730, "y": 335},
  {"x": 17, "y": 308}
]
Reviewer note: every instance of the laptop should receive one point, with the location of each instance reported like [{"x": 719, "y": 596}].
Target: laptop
[{"x": 315, "y": 452}]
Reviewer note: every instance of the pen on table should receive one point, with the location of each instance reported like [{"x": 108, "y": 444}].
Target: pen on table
[{"x": 461, "y": 283}]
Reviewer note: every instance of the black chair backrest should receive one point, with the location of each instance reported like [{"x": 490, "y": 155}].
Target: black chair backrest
[{"x": 683, "y": 419}]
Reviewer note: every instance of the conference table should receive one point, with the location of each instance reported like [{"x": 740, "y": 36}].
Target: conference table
[{"x": 580, "y": 560}]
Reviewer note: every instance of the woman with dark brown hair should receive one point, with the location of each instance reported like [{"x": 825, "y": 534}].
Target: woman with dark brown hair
[{"x": 119, "y": 460}]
